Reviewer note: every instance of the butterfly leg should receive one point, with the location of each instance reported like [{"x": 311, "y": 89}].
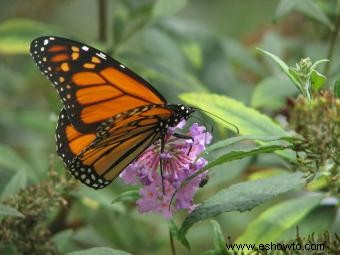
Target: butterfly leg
[
  {"x": 186, "y": 137},
  {"x": 161, "y": 164}
]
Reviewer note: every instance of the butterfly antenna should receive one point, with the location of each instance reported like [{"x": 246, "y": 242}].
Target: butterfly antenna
[{"x": 214, "y": 115}]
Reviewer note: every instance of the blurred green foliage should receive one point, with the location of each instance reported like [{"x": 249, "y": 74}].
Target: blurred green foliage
[{"x": 205, "y": 51}]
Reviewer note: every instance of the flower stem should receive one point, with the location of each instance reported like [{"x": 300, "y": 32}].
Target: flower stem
[
  {"x": 172, "y": 244},
  {"x": 102, "y": 20},
  {"x": 333, "y": 40}
]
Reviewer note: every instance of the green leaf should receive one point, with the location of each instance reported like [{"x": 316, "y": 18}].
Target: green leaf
[
  {"x": 242, "y": 197},
  {"x": 320, "y": 219},
  {"x": 127, "y": 196},
  {"x": 161, "y": 45},
  {"x": 175, "y": 232},
  {"x": 337, "y": 87},
  {"x": 99, "y": 251},
  {"x": 12, "y": 161},
  {"x": 164, "y": 8},
  {"x": 240, "y": 55},
  {"x": 10, "y": 211},
  {"x": 285, "y": 69},
  {"x": 61, "y": 239},
  {"x": 230, "y": 141},
  {"x": 248, "y": 120},
  {"x": 239, "y": 154},
  {"x": 271, "y": 93},
  {"x": 318, "y": 62},
  {"x": 210, "y": 252},
  {"x": 193, "y": 53},
  {"x": 317, "y": 80},
  {"x": 276, "y": 220},
  {"x": 17, "y": 182},
  {"x": 307, "y": 7},
  {"x": 218, "y": 238},
  {"x": 16, "y": 34}
]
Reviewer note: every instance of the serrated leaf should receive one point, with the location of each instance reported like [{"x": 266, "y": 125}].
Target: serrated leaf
[
  {"x": 242, "y": 197},
  {"x": 163, "y": 8},
  {"x": 239, "y": 154},
  {"x": 248, "y": 120},
  {"x": 317, "y": 80},
  {"x": 99, "y": 251},
  {"x": 337, "y": 87},
  {"x": 16, "y": 34},
  {"x": 6, "y": 210},
  {"x": 276, "y": 220},
  {"x": 131, "y": 195},
  {"x": 218, "y": 238},
  {"x": 17, "y": 182}
]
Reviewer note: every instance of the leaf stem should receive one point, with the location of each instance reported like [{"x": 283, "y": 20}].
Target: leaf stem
[
  {"x": 102, "y": 20},
  {"x": 333, "y": 40},
  {"x": 172, "y": 244}
]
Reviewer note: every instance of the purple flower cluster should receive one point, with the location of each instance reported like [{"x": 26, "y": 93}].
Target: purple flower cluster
[{"x": 180, "y": 160}]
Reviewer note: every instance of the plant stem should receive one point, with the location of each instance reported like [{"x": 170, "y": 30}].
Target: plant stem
[
  {"x": 102, "y": 20},
  {"x": 172, "y": 244},
  {"x": 333, "y": 40}
]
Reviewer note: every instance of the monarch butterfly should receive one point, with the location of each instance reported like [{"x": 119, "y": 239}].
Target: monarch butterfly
[{"x": 110, "y": 115}]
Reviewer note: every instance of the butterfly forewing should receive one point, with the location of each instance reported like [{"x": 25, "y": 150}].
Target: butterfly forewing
[{"x": 92, "y": 86}]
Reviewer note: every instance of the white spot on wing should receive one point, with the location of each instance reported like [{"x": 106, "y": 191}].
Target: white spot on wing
[
  {"x": 45, "y": 41},
  {"x": 85, "y": 48},
  {"x": 101, "y": 55},
  {"x": 122, "y": 66}
]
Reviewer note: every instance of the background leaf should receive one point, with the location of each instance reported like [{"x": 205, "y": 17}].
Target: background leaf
[
  {"x": 16, "y": 34},
  {"x": 17, "y": 182},
  {"x": 271, "y": 93},
  {"x": 309, "y": 8},
  {"x": 99, "y": 251},
  {"x": 242, "y": 196},
  {"x": 337, "y": 87},
  {"x": 218, "y": 238},
  {"x": 166, "y": 8},
  {"x": 276, "y": 220},
  {"x": 9, "y": 211},
  {"x": 12, "y": 161}
]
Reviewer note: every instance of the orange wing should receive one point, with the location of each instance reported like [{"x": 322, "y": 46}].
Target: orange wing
[
  {"x": 97, "y": 158},
  {"x": 92, "y": 86}
]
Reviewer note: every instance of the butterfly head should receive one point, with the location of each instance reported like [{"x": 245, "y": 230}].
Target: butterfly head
[{"x": 181, "y": 112}]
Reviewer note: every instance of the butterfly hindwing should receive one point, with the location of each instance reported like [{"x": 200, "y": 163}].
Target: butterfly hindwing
[{"x": 92, "y": 86}]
